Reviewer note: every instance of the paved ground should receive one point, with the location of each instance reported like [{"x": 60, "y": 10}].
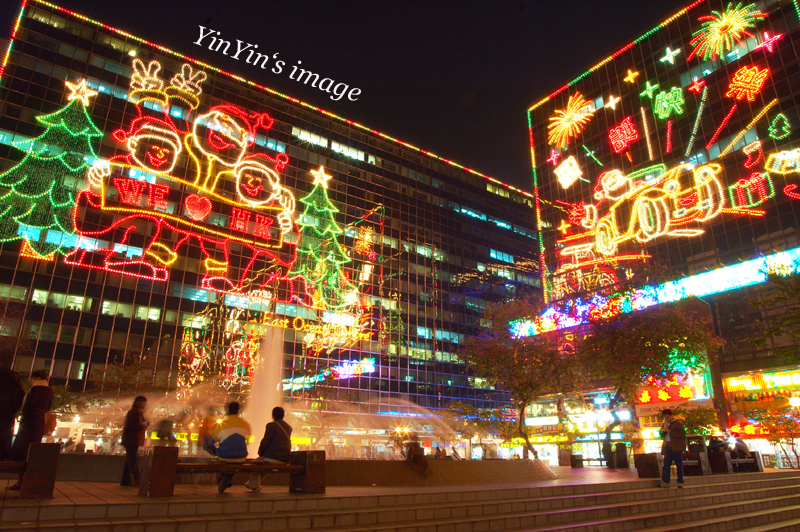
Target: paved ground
[{"x": 111, "y": 493}]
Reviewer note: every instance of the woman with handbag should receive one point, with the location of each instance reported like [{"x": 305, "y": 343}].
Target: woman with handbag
[{"x": 32, "y": 426}]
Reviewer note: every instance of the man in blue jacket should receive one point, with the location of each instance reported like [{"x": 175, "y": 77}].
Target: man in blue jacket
[{"x": 231, "y": 433}]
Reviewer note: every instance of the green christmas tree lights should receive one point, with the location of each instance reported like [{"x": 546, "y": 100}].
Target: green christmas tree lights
[
  {"x": 42, "y": 186},
  {"x": 319, "y": 255}
]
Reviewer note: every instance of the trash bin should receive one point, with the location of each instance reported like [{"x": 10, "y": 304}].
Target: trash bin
[
  {"x": 576, "y": 460},
  {"x": 621, "y": 456}
]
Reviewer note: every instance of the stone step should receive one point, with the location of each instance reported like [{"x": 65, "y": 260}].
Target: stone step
[
  {"x": 403, "y": 507},
  {"x": 725, "y": 517},
  {"x": 787, "y": 518},
  {"x": 612, "y": 507},
  {"x": 549, "y": 522},
  {"x": 442, "y": 519},
  {"x": 789, "y": 525}
]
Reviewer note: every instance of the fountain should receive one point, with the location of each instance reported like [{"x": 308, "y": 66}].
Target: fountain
[{"x": 264, "y": 390}]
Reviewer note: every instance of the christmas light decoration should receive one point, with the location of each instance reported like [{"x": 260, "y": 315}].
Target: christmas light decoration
[
  {"x": 568, "y": 123},
  {"x": 631, "y": 77},
  {"x": 752, "y": 123},
  {"x": 668, "y": 102},
  {"x": 784, "y": 163},
  {"x": 346, "y": 370},
  {"x": 649, "y": 90},
  {"x": 590, "y": 154},
  {"x": 623, "y": 135},
  {"x": 751, "y": 192},
  {"x": 721, "y": 31},
  {"x": 654, "y": 212},
  {"x": 319, "y": 256},
  {"x": 612, "y": 102},
  {"x": 669, "y": 137},
  {"x": 768, "y": 42},
  {"x": 749, "y": 150},
  {"x": 312, "y": 108},
  {"x": 564, "y": 228},
  {"x": 669, "y": 56},
  {"x": 780, "y": 128},
  {"x": 747, "y": 82},
  {"x": 647, "y": 135},
  {"x": 715, "y": 136},
  {"x": 723, "y": 279},
  {"x": 554, "y": 156},
  {"x": 568, "y": 172},
  {"x": 697, "y": 121},
  {"x": 789, "y": 190},
  {"x": 697, "y": 85},
  {"x": 39, "y": 198}
]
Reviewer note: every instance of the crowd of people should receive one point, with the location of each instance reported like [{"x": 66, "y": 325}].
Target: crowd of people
[{"x": 225, "y": 438}]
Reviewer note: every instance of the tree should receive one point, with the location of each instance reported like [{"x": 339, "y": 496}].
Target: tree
[
  {"x": 42, "y": 185},
  {"x": 657, "y": 342},
  {"x": 785, "y": 293},
  {"x": 783, "y": 425},
  {"x": 529, "y": 368},
  {"x": 699, "y": 421},
  {"x": 319, "y": 255}
]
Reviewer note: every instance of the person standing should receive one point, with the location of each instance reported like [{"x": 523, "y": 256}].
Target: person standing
[
  {"x": 204, "y": 439},
  {"x": 11, "y": 396},
  {"x": 132, "y": 439},
  {"x": 35, "y": 405},
  {"x": 672, "y": 448},
  {"x": 232, "y": 434},
  {"x": 275, "y": 446}
]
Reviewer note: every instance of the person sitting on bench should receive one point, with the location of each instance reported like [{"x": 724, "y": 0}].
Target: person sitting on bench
[
  {"x": 275, "y": 446},
  {"x": 231, "y": 433}
]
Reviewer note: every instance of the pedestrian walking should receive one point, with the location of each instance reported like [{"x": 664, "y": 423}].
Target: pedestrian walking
[
  {"x": 132, "y": 439},
  {"x": 11, "y": 396},
  {"x": 672, "y": 448},
  {"x": 35, "y": 405}
]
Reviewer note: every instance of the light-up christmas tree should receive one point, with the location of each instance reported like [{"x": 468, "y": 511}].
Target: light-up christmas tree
[
  {"x": 42, "y": 185},
  {"x": 319, "y": 255}
]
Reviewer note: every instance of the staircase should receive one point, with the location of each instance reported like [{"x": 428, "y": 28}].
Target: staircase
[{"x": 747, "y": 502}]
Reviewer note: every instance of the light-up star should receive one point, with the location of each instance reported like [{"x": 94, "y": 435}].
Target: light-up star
[
  {"x": 80, "y": 90},
  {"x": 554, "y": 156},
  {"x": 320, "y": 177},
  {"x": 612, "y": 102},
  {"x": 769, "y": 42},
  {"x": 564, "y": 227},
  {"x": 670, "y": 56},
  {"x": 631, "y": 77},
  {"x": 697, "y": 85},
  {"x": 649, "y": 90}
]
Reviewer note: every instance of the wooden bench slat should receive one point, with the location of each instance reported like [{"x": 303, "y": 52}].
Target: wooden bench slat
[{"x": 226, "y": 468}]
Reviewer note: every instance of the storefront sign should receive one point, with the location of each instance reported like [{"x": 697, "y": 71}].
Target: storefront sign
[
  {"x": 656, "y": 409},
  {"x": 541, "y": 421},
  {"x": 763, "y": 381}
]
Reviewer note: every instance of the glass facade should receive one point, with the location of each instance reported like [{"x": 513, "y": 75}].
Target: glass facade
[
  {"x": 164, "y": 216},
  {"x": 679, "y": 147}
]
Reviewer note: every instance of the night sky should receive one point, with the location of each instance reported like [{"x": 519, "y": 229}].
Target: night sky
[{"x": 453, "y": 78}]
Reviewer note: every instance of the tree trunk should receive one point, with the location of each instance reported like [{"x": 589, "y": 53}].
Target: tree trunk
[
  {"x": 786, "y": 454},
  {"x": 523, "y": 432}
]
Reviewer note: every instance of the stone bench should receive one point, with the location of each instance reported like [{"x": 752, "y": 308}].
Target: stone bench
[
  {"x": 161, "y": 466},
  {"x": 39, "y": 477}
]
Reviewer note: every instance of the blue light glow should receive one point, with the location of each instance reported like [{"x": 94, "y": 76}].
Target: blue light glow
[{"x": 578, "y": 311}]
